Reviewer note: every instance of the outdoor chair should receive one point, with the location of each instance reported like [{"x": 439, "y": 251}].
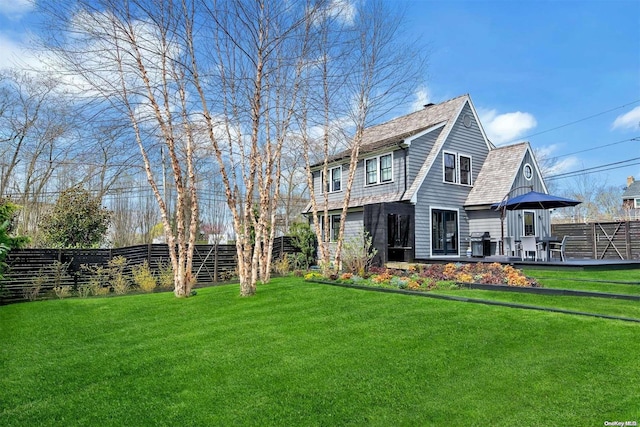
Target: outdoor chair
[
  {"x": 558, "y": 248},
  {"x": 528, "y": 245},
  {"x": 510, "y": 248}
]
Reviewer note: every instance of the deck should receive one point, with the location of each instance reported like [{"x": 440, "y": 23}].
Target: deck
[{"x": 576, "y": 264}]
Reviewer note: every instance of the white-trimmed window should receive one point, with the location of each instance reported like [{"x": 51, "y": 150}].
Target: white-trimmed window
[
  {"x": 529, "y": 223},
  {"x": 335, "y": 183},
  {"x": 528, "y": 171},
  {"x": 334, "y": 227},
  {"x": 465, "y": 169},
  {"x": 378, "y": 170},
  {"x": 636, "y": 203},
  {"x": 457, "y": 168},
  {"x": 334, "y": 224}
]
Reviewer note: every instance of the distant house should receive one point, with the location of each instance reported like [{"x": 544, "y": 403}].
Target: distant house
[
  {"x": 426, "y": 181},
  {"x": 631, "y": 198}
]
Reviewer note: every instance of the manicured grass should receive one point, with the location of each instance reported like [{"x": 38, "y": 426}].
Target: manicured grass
[
  {"x": 309, "y": 354},
  {"x": 598, "y": 281}
]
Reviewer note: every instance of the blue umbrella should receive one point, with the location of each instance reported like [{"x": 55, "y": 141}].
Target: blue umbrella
[
  {"x": 530, "y": 200},
  {"x": 535, "y": 200}
]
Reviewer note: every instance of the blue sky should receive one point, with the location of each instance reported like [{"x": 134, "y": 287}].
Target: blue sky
[
  {"x": 531, "y": 67},
  {"x": 554, "y": 62}
]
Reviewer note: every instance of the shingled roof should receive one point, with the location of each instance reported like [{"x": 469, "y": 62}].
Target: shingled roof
[
  {"x": 497, "y": 174},
  {"x": 395, "y": 131},
  {"x": 632, "y": 191}
]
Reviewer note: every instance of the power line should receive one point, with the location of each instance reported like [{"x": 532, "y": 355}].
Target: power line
[
  {"x": 637, "y": 138},
  {"x": 596, "y": 169},
  {"x": 575, "y": 121}
]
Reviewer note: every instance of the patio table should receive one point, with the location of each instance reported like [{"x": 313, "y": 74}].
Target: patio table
[{"x": 546, "y": 244}]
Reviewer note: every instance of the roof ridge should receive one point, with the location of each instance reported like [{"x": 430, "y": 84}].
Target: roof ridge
[{"x": 417, "y": 111}]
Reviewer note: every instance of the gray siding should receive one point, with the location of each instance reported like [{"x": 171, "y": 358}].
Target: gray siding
[
  {"x": 485, "y": 220},
  {"x": 514, "y": 219},
  {"x": 353, "y": 225},
  {"x": 418, "y": 152},
  {"x": 434, "y": 193},
  {"x": 358, "y": 189}
]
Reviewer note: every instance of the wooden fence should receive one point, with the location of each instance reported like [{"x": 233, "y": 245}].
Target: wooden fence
[
  {"x": 64, "y": 267},
  {"x": 601, "y": 240}
]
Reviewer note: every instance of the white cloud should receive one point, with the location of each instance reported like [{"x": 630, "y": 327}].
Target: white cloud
[
  {"x": 629, "y": 120},
  {"x": 555, "y": 167},
  {"x": 422, "y": 98},
  {"x": 344, "y": 10},
  {"x": 16, "y": 54},
  {"x": 507, "y": 127},
  {"x": 16, "y": 8},
  {"x": 550, "y": 165}
]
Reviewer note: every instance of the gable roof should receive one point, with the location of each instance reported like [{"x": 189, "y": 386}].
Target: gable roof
[
  {"x": 632, "y": 191},
  {"x": 498, "y": 174},
  {"x": 396, "y": 131},
  {"x": 455, "y": 107}
]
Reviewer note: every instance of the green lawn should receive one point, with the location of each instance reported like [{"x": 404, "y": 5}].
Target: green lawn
[{"x": 310, "y": 354}]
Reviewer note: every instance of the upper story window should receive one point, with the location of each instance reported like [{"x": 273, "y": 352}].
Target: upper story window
[
  {"x": 457, "y": 168},
  {"x": 379, "y": 169},
  {"x": 336, "y": 179},
  {"x": 636, "y": 203},
  {"x": 528, "y": 171},
  {"x": 334, "y": 183}
]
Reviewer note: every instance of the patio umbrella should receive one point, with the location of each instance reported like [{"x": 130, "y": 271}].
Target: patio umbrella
[
  {"x": 530, "y": 200},
  {"x": 535, "y": 200}
]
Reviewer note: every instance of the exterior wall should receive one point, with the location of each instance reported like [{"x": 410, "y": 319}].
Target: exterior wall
[
  {"x": 485, "y": 220},
  {"x": 514, "y": 222},
  {"x": 358, "y": 189},
  {"x": 418, "y": 152},
  {"x": 353, "y": 225},
  {"x": 435, "y": 193}
]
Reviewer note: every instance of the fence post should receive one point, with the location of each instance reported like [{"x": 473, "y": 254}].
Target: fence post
[
  {"x": 627, "y": 237},
  {"x": 595, "y": 241},
  {"x": 215, "y": 262}
]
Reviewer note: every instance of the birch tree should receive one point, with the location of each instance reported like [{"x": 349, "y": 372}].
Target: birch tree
[
  {"x": 365, "y": 70},
  {"x": 126, "y": 58},
  {"x": 227, "y": 72}
]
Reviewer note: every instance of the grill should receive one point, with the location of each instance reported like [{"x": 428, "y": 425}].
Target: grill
[{"x": 480, "y": 243}]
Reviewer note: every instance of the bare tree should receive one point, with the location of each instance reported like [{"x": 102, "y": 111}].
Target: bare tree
[
  {"x": 363, "y": 86},
  {"x": 130, "y": 56},
  {"x": 228, "y": 72}
]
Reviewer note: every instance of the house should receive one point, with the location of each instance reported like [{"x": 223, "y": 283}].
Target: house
[
  {"x": 631, "y": 198},
  {"x": 426, "y": 181}
]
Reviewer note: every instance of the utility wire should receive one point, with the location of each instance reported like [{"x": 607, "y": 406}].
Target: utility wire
[
  {"x": 637, "y": 138},
  {"x": 575, "y": 121},
  {"x": 600, "y": 168}
]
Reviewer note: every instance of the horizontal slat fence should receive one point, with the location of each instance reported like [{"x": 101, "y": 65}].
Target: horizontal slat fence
[
  {"x": 211, "y": 264},
  {"x": 601, "y": 240}
]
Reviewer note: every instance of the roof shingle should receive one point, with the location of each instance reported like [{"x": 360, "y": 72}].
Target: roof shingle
[{"x": 497, "y": 174}]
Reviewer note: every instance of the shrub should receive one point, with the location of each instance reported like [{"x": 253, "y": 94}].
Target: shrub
[
  {"x": 62, "y": 291},
  {"x": 304, "y": 239},
  {"x": 143, "y": 277},
  {"x": 164, "y": 275},
  {"x": 98, "y": 282},
  {"x": 399, "y": 282},
  {"x": 282, "y": 266},
  {"x": 117, "y": 278},
  {"x": 314, "y": 275},
  {"x": 358, "y": 253}
]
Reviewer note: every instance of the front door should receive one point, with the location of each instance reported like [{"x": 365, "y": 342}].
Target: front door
[{"x": 444, "y": 232}]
